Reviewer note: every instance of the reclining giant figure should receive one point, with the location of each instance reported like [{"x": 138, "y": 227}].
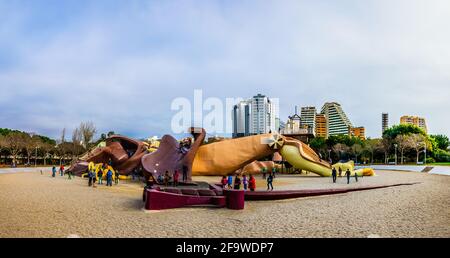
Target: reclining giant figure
[{"x": 218, "y": 158}]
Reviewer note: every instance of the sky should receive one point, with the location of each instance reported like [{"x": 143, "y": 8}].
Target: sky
[{"x": 120, "y": 64}]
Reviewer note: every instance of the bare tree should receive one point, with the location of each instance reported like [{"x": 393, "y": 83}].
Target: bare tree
[
  {"x": 87, "y": 130},
  {"x": 63, "y": 136},
  {"x": 418, "y": 142},
  {"x": 384, "y": 145},
  {"x": 404, "y": 142},
  {"x": 77, "y": 138},
  {"x": 14, "y": 142},
  {"x": 46, "y": 149}
]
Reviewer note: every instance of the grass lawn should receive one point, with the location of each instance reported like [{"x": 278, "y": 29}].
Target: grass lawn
[{"x": 441, "y": 164}]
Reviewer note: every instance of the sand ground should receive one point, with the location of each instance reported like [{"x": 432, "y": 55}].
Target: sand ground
[{"x": 35, "y": 205}]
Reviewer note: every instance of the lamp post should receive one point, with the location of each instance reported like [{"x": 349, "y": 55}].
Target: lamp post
[
  {"x": 329, "y": 156},
  {"x": 425, "y": 154},
  {"x": 395, "y": 146},
  {"x": 35, "y": 156}
]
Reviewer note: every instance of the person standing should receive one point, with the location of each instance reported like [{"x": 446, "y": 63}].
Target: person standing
[
  {"x": 269, "y": 182},
  {"x": 264, "y": 171},
  {"x": 340, "y": 172},
  {"x": 356, "y": 177},
  {"x": 252, "y": 183},
  {"x": 90, "y": 177},
  {"x": 185, "y": 172},
  {"x": 100, "y": 177},
  {"x": 224, "y": 182},
  {"x": 237, "y": 183},
  {"x": 245, "y": 182},
  {"x": 334, "y": 175},
  {"x": 53, "y": 171},
  {"x": 116, "y": 177},
  {"x": 69, "y": 174},
  {"x": 94, "y": 178},
  {"x": 176, "y": 175},
  {"x": 230, "y": 182},
  {"x": 61, "y": 170},
  {"x": 109, "y": 176},
  {"x": 166, "y": 178},
  {"x": 347, "y": 173}
]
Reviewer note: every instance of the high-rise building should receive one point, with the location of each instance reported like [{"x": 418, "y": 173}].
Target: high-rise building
[
  {"x": 359, "y": 132},
  {"x": 241, "y": 119},
  {"x": 255, "y": 116},
  {"x": 321, "y": 126},
  {"x": 308, "y": 118},
  {"x": 262, "y": 115},
  {"x": 385, "y": 122},
  {"x": 414, "y": 120},
  {"x": 337, "y": 121}
]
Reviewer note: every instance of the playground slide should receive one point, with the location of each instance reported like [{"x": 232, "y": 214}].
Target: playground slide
[
  {"x": 293, "y": 152},
  {"x": 303, "y": 157}
]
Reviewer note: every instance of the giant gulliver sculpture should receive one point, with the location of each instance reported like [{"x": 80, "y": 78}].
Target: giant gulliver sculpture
[{"x": 218, "y": 158}]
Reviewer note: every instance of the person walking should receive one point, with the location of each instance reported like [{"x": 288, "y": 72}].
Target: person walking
[
  {"x": 116, "y": 177},
  {"x": 53, "y": 171},
  {"x": 224, "y": 182},
  {"x": 245, "y": 182},
  {"x": 347, "y": 173},
  {"x": 269, "y": 182},
  {"x": 252, "y": 183},
  {"x": 237, "y": 183},
  {"x": 176, "y": 175},
  {"x": 100, "y": 177},
  {"x": 109, "y": 176},
  {"x": 340, "y": 172},
  {"x": 356, "y": 177},
  {"x": 69, "y": 174},
  {"x": 230, "y": 182},
  {"x": 334, "y": 175}
]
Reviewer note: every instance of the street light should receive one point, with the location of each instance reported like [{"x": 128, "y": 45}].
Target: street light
[
  {"x": 35, "y": 156},
  {"x": 425, "y": 156},
  {"x": 396, "y": 145}
]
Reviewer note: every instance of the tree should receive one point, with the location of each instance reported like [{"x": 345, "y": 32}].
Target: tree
[
  {"x": 418, "y": 142},
  {"x": 404, "y": 142},
  {"x": 77, "y": 139},
  {"x": 87, "y": 130},
  {"x": 384, "y": 146},
  {"x": 318, "y": 144},
  {"x": 370, "y": 146},
  {"x": 339, "y": 149},
  {"x": 442, "y": 141},
  {"x": 14, "y": 142},
  {"x": 356, "y": 150},
  {"x": 403, "y": 129}
]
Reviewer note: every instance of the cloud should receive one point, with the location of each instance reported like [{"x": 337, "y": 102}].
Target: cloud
[{"x": 120, "y": 64}]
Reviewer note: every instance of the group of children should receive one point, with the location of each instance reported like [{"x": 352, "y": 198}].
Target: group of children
[
  {"x": 92, "y": 176},
  {"x": 61, "y": 172},
  {"x": 248, "y": 183}
]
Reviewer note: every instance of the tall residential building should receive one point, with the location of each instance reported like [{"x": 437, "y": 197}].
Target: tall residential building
[
  {"x": 321, "y": 126},
  {"x": 337, "y": 121},
  {"x": 414, "y": 120},
  {"x": 262, "y": 115},
  {"x": 359, "y": 132},
  {"x": 385, "y": 122},
  {"x": 241, "y": 119},
  {"x": 308, "y": 118}
]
